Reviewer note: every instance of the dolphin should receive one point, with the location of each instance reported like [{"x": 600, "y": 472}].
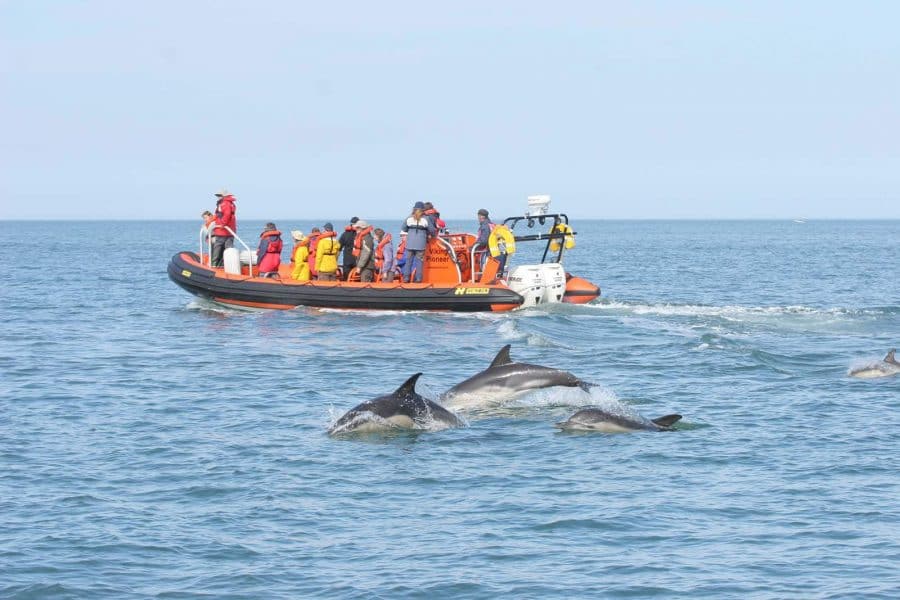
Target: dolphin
[
  {"x": 504, "y": 380},
  {"x": 402, "y": 409},
  {"x": 885, "y": 368},
  {"x": 597, "y": 419}
]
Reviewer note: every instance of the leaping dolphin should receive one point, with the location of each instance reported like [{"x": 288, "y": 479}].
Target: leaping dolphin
[
  {"x": 597, "y": 419},
  {"x": 886, "y": 368},
  {"x": 505, "y": 379},
  {"x": 402, "y": 409}
]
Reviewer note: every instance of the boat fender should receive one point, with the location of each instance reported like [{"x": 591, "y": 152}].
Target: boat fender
[{"x": 501, "y": 241}]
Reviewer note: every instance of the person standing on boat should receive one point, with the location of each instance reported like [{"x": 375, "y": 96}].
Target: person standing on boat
[
  {"x": 434, "y": 218},
  {"x": 225, "y": 217},
  {"x": 269, "y": 252},
  {"x": 485, "y": 226},
  {"x": 300, "y": 256},
  {"x": 347, "y": 239},
  {"x": 384, "y": 256},
  {"x": 326, "y": 254},
  {"x": 364, "y": 251},
  {"x": 418, "y": 231}
]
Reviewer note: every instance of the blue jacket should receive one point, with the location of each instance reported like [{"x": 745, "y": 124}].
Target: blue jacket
[
  {"x": 418, "y": 232},
  {"x": 484, "y": 232}
]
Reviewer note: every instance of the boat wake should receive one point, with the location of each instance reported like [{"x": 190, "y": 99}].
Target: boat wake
[{"x": 790, "y": 318}]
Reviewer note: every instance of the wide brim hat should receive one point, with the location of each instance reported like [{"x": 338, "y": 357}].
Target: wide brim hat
[
  {"x": 361, "y": 224},
  {"x": 223, "y": 192},
  {"x": 298, "y": 235}
]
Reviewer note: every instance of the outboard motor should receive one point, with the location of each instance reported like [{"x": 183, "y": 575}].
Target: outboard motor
[{"x": 538, "y": 284}]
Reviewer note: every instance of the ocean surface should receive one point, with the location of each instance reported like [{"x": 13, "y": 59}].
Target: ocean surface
[{"x": 157, "y": 446}]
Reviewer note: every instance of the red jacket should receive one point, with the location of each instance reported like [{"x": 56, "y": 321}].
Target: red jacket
[
  {"x": 225, "y": 215},
  {"x": 269, "y": 253}
]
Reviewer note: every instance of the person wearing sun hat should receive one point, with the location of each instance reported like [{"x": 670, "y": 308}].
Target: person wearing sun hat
[
  {"x": 300, "y": 256},
  {"x": 364, "y": 251}
]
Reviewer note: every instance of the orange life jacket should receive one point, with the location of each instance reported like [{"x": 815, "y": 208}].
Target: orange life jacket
[
  {"x": 401, "y": 248},
  {"x": 322, "y": 236},
  {"x": 357, "y": 243},
  {"x": 379, "y": 251}
]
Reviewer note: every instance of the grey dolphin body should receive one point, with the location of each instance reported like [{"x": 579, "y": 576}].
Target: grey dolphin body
[
  {"x": 596, "y": 419},
  {"x": 505, "y": 379},
  {"x": 886, "y": 368},
  {"x": 402, "y": 409}
]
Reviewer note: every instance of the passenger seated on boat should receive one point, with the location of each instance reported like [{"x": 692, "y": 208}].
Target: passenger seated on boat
[
  {"x": 269, "y": 251},
  {"x": 385, "y": 260},
  {"x": 364, "y": 251},
  {"x": 208, "y": 219},
  {"x": 314, "y": 234},
  {"x": 401, "y": 254},
  {"x": 300, "y": 256}
]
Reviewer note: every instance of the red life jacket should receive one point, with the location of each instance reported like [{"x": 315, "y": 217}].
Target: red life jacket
[
  {"x": 379, "y": 251},
  {"x": 272, "y": 257},
  {"x": 225, "y": 217},
  {"x": 438, "y": 221},
  {"x": 357, "y": 243}
]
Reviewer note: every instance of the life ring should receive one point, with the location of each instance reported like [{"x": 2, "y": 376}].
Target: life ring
[
  {"x": 570, "y": 238},
  {"x": 501, "y": 241}
]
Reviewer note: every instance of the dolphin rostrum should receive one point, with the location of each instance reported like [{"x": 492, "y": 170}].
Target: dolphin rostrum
[
  {"x": 885, "y": 368},
  {"x": 597, "y": 419},
  {"x": 402, "y": 409},
  {"x": 505, "y": 379}
]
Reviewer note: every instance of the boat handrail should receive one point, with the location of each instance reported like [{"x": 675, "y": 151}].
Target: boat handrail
[
  {"x": 475, "y": 268},
  {"x": 208, "y": 231},
  {"x": 452, "y": 253}
]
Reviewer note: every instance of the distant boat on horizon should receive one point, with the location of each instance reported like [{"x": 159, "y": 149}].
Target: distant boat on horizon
[{"x": 801, "y": 220}]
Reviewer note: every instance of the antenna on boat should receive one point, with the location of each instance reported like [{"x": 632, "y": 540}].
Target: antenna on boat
[{"x": 538, "y": 205}]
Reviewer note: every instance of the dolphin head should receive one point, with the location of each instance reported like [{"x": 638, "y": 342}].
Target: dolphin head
[
  {"x": 402, "y": 409},
  {"x": 597, "y": 419}
]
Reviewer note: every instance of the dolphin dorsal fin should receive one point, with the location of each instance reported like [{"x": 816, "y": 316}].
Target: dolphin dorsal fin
[
  {"x": 502, "y": 357},
  {"x": 890, "y": 356},
  {"x": 409, "y": 386},
  {"x": 667, "y": 421}
]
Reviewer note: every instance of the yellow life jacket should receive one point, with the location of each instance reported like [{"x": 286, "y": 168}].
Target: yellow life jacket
[{"x": 569, "y": 239}]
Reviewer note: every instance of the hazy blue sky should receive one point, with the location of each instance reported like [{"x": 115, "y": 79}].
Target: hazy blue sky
[{"x": 328, "y": 109}]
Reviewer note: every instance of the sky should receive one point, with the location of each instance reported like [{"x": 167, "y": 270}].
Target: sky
[{"x": 323, "y": 110}]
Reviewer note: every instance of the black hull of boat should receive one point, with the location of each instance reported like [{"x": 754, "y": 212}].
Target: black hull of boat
[{"x": 186, "y": 271}]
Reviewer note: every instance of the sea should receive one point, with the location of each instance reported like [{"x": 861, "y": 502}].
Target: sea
[{"x": 154, "y": 445}]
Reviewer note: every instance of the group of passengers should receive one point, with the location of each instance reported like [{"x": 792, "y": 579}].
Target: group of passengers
[{"x": 364, "y": 250}]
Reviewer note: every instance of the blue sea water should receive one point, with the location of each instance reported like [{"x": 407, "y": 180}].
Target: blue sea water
[{"x": 157, "y": 446}]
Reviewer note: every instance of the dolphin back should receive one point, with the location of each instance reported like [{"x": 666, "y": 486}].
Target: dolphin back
[{"x": 667, "y": 421}]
